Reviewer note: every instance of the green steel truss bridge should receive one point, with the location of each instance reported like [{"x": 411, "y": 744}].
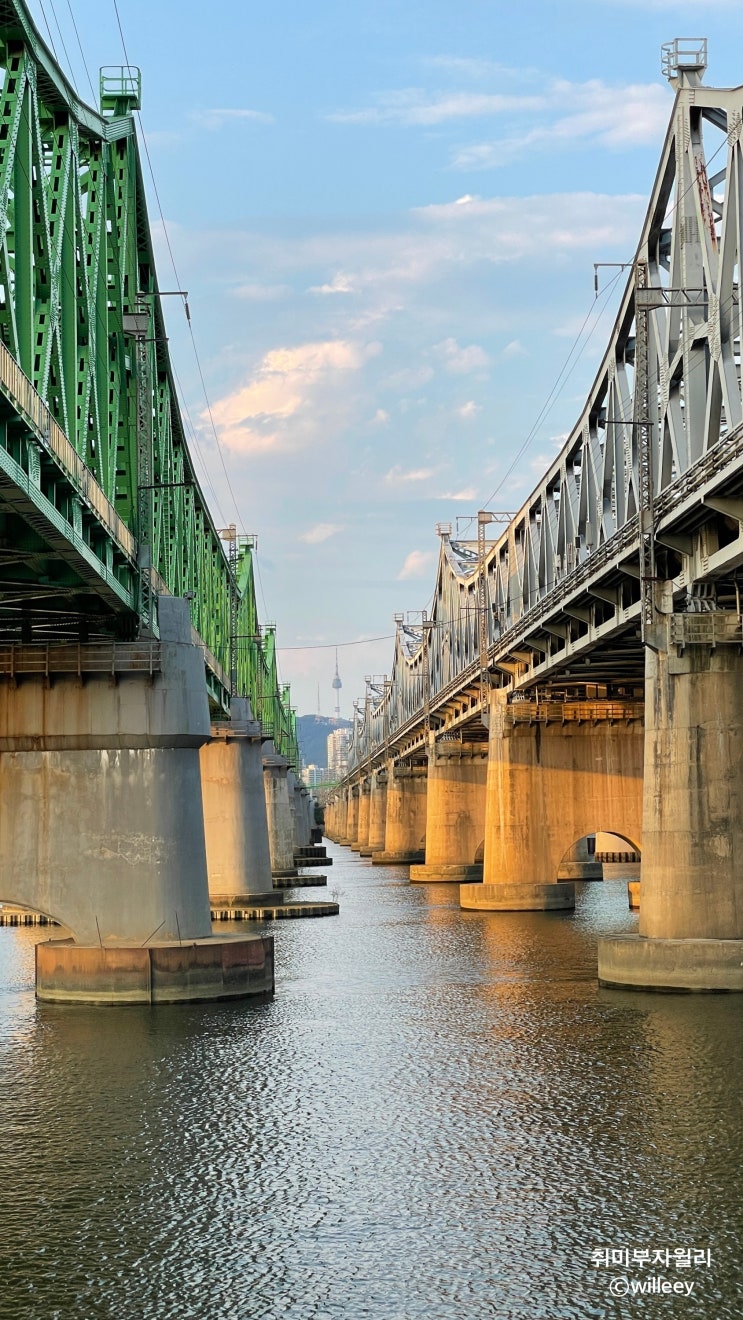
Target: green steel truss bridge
[{"x": 100, "y": 507}]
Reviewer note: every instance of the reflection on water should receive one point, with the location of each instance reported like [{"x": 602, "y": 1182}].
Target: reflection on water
[{"x": 439, "y": 1116}]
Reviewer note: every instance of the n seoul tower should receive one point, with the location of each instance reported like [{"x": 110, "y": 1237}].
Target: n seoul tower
[{"x": 337, "y": 685}]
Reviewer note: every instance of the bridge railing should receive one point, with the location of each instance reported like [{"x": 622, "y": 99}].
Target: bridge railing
[{"x": 19, "y": 390}]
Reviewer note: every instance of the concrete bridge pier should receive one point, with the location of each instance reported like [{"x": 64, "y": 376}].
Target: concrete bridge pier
[
  {"x": 301, "y": 816},
  {"x": 405, "y": 820},
  {"x": 364, "y": 818},
  {"x": 455, "y": 813},
  {"x": 691, "y": 913},
  {"x": 342, "y": 816},
  {"x": 279, "y": 812},
  {"x": 308, "y": 806},
  {"x": 102, "y": 829},
  {"x": 335, "y": 818},
  {"x": 291, "y": 787},
  {"x": 553, "y": 779},
  {"x": 352, "y": 818},
  {"x": 235, "y": 825},
  {"x": 377, "y": 812},
  {"x": 345, "y": 811},
  {"x": 580, "y": 864},
  {"x": 329, "y": 817}
]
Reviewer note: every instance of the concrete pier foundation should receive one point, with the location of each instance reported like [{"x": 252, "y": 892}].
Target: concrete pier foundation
[
  {"x": 300, "y": 814},
  {"x": 101, "y": 821},
  {"x": 343, "y": 812},
  {"x": 235, "y": 825},
  {"x": 377, "y": 812},
  {"x": 580, "y": 863},
  {"x": 364, "y": 818},
  {"x": 405, "y": 820},
  {"x": 554, "y": 776},
  {"x": 455, "y": 813},
  {"x": 335, "y": 818},
  {"x": 352, "y": 821},
  {"x": 691, "y": 912},
  {"x": 279, "y": 811}
]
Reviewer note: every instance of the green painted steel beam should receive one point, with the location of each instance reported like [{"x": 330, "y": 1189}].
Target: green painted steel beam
[{"x": 93, "y": 455}]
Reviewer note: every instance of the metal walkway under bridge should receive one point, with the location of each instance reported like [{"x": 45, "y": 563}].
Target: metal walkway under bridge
[
  {"x": 100, "y": 508},
  {"x": 632, "y": 539}
]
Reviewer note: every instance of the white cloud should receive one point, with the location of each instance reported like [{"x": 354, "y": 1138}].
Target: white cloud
[
  {"x": 559, "y": 114},
  {"x": 380, "y": 418},
  {"x": 461, "y": 361},
  {"x": 410, "y": 378},
  {"x": 416, "y": 565},
  {"x": 576, "y": 113},
  {"x": 412, "y": 105},
  {"x": 213, "y": 119},
  {"x": 262, "y": 292},
  {"x": 469, "y": 409},
  {"x": 468, "y": 494},
  {"x": 430, "y": 243},
  {"x": 502, "y": 229},
  {"x": 163, "y": 137},
  {"x": 294, "y": 395},
  {"x": 475, "y": 68},
  {"x": 338, "y": 284},
  {"x": 321, "y": 532},
  {"x": 515, "y": 349},
  {"x": 396, "y": 474}
]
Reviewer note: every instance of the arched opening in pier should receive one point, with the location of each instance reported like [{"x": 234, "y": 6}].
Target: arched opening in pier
[
  {"x": 601, "y": 856},
  {"x": 19, "y": 947},
  {"x": 13, "y": 913}
]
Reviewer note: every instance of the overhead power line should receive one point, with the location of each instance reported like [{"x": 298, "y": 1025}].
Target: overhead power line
[
  {"x": 179, "y": 285},
  {"x": 329, "y": 646}
]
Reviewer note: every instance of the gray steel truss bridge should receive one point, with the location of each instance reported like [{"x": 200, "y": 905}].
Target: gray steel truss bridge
[{"x": 632, "y": 539}]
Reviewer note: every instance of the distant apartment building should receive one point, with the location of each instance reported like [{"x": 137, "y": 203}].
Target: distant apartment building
[
  {"x": 312, "y": 775},
  {"x": 338, "y": 743}
]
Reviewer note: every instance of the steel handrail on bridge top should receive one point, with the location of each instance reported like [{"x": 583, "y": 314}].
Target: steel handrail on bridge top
[
  {"x": 141, "y": 657},
  {"x": 574, "y": 712},
  {"x": 17, "y": 387},
  {"x": 727, "y": 449}
]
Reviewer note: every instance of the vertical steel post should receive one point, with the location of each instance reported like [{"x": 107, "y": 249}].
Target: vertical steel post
[
  {"x": 483, "y": 518},
  {"x": 426, "y": 626},
  {"x": 644, "y": 430},
  {"x": 140, "y": 327},
  {"x": 23, "y": 236}
]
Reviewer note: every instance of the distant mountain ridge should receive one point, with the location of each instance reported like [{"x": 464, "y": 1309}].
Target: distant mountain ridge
[{"x": 312, "y": 732}]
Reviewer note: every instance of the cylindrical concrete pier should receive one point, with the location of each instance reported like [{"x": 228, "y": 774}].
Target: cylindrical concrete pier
[
  {"x": 352, "y": 821},
  {"x": 580, "y": 864},
  {"x": 553, "y": 779},
  {"x": 377, "y": 812},
  {"x": 455, "y": 813},
  {"x": 691, "y": 911},
  {"x": 364, "y": 816},
  {"x": 279, "y": 814},
  {"x": 102, "y": 828},
  {"x": 405, "y": 823},
  {"x": 235, "y": 825}
]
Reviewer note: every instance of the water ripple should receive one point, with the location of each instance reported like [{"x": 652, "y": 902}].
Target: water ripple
[{"x": 440, "y": 1115}]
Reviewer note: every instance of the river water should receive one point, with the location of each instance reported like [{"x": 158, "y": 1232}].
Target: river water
[{"x": 440, "y": 1115}]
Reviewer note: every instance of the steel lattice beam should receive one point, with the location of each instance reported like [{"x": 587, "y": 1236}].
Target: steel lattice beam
[
  {"x": 648, "y": 484},
  {"x": 96, "y": 480}
]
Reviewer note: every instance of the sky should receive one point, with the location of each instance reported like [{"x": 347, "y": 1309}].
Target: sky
[{"x": 386, "y": 215}]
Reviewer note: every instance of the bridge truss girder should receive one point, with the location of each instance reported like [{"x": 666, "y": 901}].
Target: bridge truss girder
[
  {"x": 99, "y": 500},
  {"x": 562, "y": 583}
]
